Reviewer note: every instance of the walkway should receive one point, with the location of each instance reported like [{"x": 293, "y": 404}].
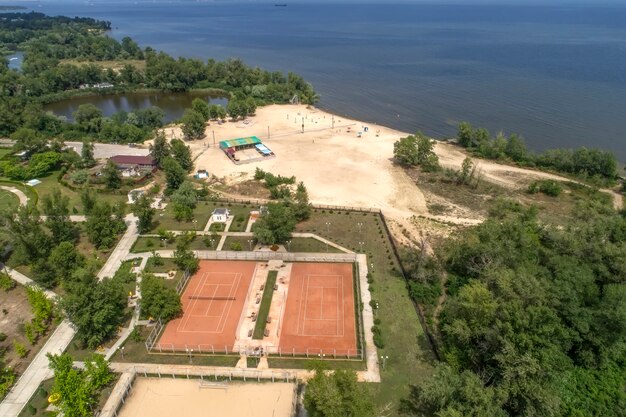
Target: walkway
[
  {"x": 37, "y": 371},
  {"x": 19, "y": 193},
  {"x": 122, "y": 249}
]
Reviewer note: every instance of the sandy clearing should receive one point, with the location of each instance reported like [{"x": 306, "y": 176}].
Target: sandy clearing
[
  {"x": 337, "y": 166},
  {"x": 153, "y": 397}
]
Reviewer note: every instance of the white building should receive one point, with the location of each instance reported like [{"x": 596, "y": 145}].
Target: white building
[{"x": 220, "y": 215}]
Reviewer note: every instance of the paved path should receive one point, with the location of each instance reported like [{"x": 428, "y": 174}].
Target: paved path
[
  {"x": 19, "y": 193},
  {"x": 122, "y": 249},
  {"x": 37, "y": 371},
  {"x": 25, "y": 281}
]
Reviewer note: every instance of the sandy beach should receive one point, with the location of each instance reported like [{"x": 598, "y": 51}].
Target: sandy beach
[{"x": 341, "y": 165}]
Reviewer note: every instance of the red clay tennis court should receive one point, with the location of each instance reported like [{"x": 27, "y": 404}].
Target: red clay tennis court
[
  {"x": 319, "y": 315},
  {"x": 212, "y": 305}
]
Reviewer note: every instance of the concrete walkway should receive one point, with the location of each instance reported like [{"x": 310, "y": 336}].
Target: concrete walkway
[
  {"x": 37, "y": 371},
  {"x": 19, "y": 193},
  {"x": 122, "y": 249},
  {"x": 25, "y": 281}
]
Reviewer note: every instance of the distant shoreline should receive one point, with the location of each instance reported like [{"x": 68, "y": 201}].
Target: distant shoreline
[{"x": 6, "y": 8}]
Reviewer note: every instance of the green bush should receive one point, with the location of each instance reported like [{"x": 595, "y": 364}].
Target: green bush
[
  {"x": 3, "y": 337},
  {"x": 547, "y": 187},
  {"x": 6, "y": 283},
  {"x": 378, "y": 337},
  {"x": 20, "y": 349},
  {"x": 236, "y": 246}
]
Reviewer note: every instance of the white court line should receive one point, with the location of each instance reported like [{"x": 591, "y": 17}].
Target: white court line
[
  {"x": 300, "y": 306},
  {"x": 183, "y": 322},
  {"x": 230, "y": 303},
  {"x": 343, "y": 311},
  {"x": 306, "y": 303},
  {"x": 336, "y": 320},
  {"x": 216, "y": 287}
]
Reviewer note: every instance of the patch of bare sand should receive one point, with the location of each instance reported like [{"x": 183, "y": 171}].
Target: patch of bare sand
[
  {"x": 163, "y": 397},
  {"x": 339, "y": 166}
]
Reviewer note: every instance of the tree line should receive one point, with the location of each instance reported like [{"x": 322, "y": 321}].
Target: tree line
[
  {"x": 534, "y": 323},
  {"x": 48, "y": 41},
  {"x": 587, "y": 163}
]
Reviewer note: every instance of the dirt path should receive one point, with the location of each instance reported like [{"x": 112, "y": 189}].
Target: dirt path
[{"x": 452, "y": 157}]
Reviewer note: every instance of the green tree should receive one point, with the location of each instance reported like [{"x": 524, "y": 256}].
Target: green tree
[
  {"x": 64, "y": 259},
  {"x": 174, "y": 174},
  {"x": 111, "y": 175},
  {"x": 89, "y": 118},
  {"x": 465, "y": 134},
  {"x": 426, "y": 156},
  {"x": 405, "y": 151},
  {"x": 202, "y": 107},
  {"x": 184, "y": 257},
  {"x": 448, "y": 393},
  {"x": 102, "y": 226},
  {"x": 182, "y": 154},
  {"x": 30, "y": 240},
  {"x": 144, "y": 212},
  {"x": 193, "y": 124},
  {"x": 337, "y": 395},
  {"x": 78, "y": 388},
  {"x": 86, "y": 154},
  {"x": 184, "y": 200},
  {"x": 302, "y": 207},
  {"x": 276, "y": 225},
  {"x": 95, "y": 308},
  {"x": 159, "y": 149},
  {"x": 57, "y": 211},
  {"x": 29, "y": 140},
  {"x": 159, "y": 300}
]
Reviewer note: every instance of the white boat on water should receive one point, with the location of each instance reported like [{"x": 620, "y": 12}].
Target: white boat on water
[{"x": 13, "y": 59}]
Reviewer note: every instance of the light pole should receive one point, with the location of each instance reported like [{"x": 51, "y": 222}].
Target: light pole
[
  {"x": 195, "y": 224},
  {"x": 328, "y": 228},
  {"x": 321, "y": 356},
  {"x": 163, "y": 242},
  {"x": 372, "y": 266},
  {"x": 122, "y": 352},
  {"x": 189, "y": 352},
  {"x": 250, "y": 244},
  {"x": 289, "y": 246},
  {"x": 384, "y": 358},
  {"x": 212, "y": 243},
  {"x": 360, "y": 226},
  {"x": 361, "y": 244}
]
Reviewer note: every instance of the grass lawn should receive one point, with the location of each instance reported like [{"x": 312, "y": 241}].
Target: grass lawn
[
  {"x": 293, "y": 363},
  {"x": 135, "y": 351},
  {"x": 8, "y": 200},
  {"x": 242, "y": 240},
  {"x": 309, "y": 244},
  {"x": 264, "y": 309},
  {"x": 5, "y": 151},
  {"x": 165, "y": 219},
  {"x": 50, "y": 182},
  {"x": 240, "y": 221},
  {"x": 410, "y": 358},
  {"x": 150, "y": 243},
  {"x": 26, "y": 189}
]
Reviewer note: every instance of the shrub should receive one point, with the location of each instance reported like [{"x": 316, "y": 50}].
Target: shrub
[
  {"x": 3, "y": 337},
  {"x": 6, "y": 283},
  {"x": 20, "y": 349},
  {"x": 378, "y": 338},
  {"x": 236, "y": 246},
  {"x": 547, "y": 187}
]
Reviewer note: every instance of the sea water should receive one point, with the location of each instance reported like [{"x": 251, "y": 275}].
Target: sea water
[{"x": 554, "y": 74}]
